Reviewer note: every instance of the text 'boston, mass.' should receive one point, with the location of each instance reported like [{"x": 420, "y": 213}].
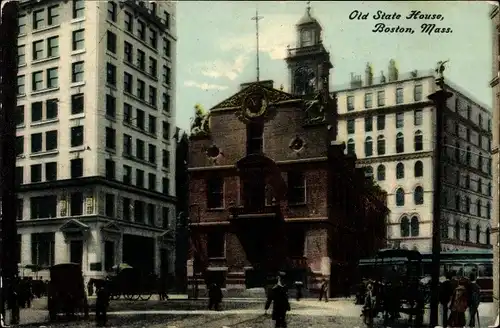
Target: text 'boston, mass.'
[{"x": 414, "y": 15}]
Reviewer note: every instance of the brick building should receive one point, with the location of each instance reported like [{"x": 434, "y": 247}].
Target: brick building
[{"x": 271, "y": 190}]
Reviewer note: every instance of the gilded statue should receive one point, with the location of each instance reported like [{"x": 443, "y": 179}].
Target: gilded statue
[
  {"x": 201, "y": 121},
  {"x": 440, "y": 69}
]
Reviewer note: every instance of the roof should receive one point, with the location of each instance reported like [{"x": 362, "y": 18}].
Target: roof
[{"x": 307, "y": 18}]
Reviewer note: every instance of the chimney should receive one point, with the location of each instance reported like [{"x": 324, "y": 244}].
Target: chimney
[{"x": 368, "y": 74}]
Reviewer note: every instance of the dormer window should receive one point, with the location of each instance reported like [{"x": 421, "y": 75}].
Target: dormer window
[
  {"x": 255, "y": 142},
  {"x": 306, "y": 38}
]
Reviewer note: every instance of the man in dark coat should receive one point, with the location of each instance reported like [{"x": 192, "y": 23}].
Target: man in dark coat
[
  {"x": 445, "y": 292},
  {"x": 102, "y": 303},
  {"x": 279, "y": 297},
  {"x": 214, "y": 297}
]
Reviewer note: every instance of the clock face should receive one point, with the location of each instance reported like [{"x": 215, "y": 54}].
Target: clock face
[
  {"x": 255, "y": 104},
  {"x": 305, "y": 80}
]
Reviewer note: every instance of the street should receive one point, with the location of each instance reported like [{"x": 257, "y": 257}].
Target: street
[{"x": 236, "y": 313}]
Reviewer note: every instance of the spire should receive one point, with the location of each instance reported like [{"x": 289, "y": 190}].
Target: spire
[
  {"x": 256, "y": 18},
  {"x": 307, "y": 18}
]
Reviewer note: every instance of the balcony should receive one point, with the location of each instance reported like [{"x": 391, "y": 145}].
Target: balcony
[{"x": 248, "y": 212}]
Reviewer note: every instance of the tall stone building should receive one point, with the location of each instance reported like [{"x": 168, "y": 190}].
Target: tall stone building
[{"x": 271, "y": 190}]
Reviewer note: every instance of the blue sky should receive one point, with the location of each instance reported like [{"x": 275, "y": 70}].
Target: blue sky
[{"x": 216, "y": 45}]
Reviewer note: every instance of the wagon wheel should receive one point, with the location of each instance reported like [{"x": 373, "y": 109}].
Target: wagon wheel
[
  {"x": 146, "y": 297},
  {"x": 129, "y": 296},
  {"x": 115, "y": 296},
  {"x": 136, "y": 296}
]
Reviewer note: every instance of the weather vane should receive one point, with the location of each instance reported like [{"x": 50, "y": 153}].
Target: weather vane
[
  {"x": 256, "y": 18},
  {"x": 308, "y": 6}
]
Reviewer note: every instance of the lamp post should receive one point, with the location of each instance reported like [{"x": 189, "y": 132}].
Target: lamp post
[
  {"x": 439, "y": 97},
  {"x": 195, "y": 250}
]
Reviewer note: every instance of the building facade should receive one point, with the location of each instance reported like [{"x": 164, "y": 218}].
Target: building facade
[
  {"x": 95, "y": 155},
  {"x": 389, "y": 123},
  {"x": 494, "y": 83},
  {"x": 262, "y": 168}
]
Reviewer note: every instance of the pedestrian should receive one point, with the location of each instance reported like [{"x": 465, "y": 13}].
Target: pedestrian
[
  {"x": 458, "y": 305},
  {"x": 298, "y": 289},
  {"x": 278, "y": 296},
  {"x": 474, "y": 299},
  {"x": 368, "y": 311},
  {"x": 101, "y": 304},
  {"x": 323, "y": 292},
  {"x": 445, "y": 293},
  {"x": 214, "y": 297},
  {"x": 13, "y": 300}
]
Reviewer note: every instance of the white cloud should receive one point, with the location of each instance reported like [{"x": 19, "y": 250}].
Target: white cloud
[
  {"x": 204, "y": 86},
  {"x": 219, "y": 68}
]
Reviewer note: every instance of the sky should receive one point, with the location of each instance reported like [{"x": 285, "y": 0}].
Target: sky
[{"x": 216, "y": 47}]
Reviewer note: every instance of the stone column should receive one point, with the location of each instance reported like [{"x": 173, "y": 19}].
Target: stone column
[
  {"x": 60, "y": 248},
  {"x": 26, "y": 249}
]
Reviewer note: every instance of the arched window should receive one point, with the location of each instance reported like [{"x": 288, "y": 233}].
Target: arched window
[
  {"x": 418, "y": 141},
  {"x": 400, "y": 171},
  {"x": 457, "y": 151},
  {"x": 478, "y": 234},
  {"x": 368, "y": 146},
  {"x": 457, "y": 230},
  {"x": 368, "y": 171},
  {"x": 467, "y": 156},
  {"x": 414, "y": 227},
  {"x": 479, "y": 204},
  {"x": 381, "y": 172},
  {"x": 467, "y": 232},
  {"x": 405, "y": 227},
  {"x": 351, "y": 147},
  {"x": 400, "y": 197},
  {"x": 418, "y": 169},
  {"x": 418, "y": 195},
  {"x": 487, "y": 232},
  {"x": 400, "y": 143},
  {"x": 381, "y": 145},
  {"x": 480, "y": 162}
]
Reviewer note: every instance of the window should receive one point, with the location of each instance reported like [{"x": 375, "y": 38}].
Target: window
[
  {"x": 139, "y": 149},
  {"x": 21, "y": 85},
  {"x": 110, "y": 138},
  {"x": 76, "y": 204},
  {"x": 110, "y": 106},
  {"x": 77, "y": 103},
  {"x": 43, "y": 249},
  {"x": 110, "y": 74},
  {"x": 152, "y": 124},
  {"x": 255, "y": 138},
  {"x": 78, "y": 8},
  {"x": 19, "y": 175},
  {"x": 350, "y": 103},
  {"x": 400, "y": 171},
  {"x": 405, "y": 227},
  {"x": 78, "y": 39},
  {"x": 52, "y": 108},
  {"x": 480, "y": 162},
  {"x": 112, "y": 11},
  {"x": 457, "y": 202},
  {"x": 152, "y": 153},
  {"x": 489, "y": 189},
  {"x": 400, "y": 143},
  {"x": 368, "y": 124},
  {"x": 110, "y": 205},
  {"x": 215, "y": 193},
  {"x": 152, "y": 96},
  {"x": 140, "y": 119},
  {"x": 21, "y": 55},
  {"x": 165, "y": 220},
  {"x": 127, "y": 174},
  {"x": 414, "y": 227},
  {"x": 141, "y": 30},
  {"x": 381, "y": 172},
  {"x": 76, "y": 167},
  {"x": 37, "y": 81},
  {"x": 165, "y": 184},
  {"x": 216, "y": 244},
  {"x": 128, "y": 50},
  {"x": 20, "y": 115},
  {"x": 151, "y": 211},
  {"x": 139, "y": 178},
  {"x": 38, "y": 19},
  {"x": 457, "y": 230},
  {"x": 153, "y": 38},
  {"x": 417, "y": 93},
  {"x": 43, "y": 207},
  {"x": 19, "y": 145},
  {"x": 126, "y": 206},
  {"x": 21, "y": 26},
  {"x": 479, "y": 206},
  {"x": 350, "y": 126},
  {"x": 165, "y": 158},
  {"x": 368, "y": 171},
  {"x": 165, "y": 102},
  {"x": 419, "y": 169},
  {"x": 487, "y": 233},
  {"x": 400, "y": 120},
  {"x": 110, "y": 168},
  {"x": 478, "y": 234},
  {"x": 381, "y": 98},
  {"x": 19, "y": 212},
  {"x": 417, "y": 117},
  {"x": 141, "y": 89},
  {"x": 400, "y": 197},
  {"x": 380, "y": 122},
  {"x": 380, "y": 145},
  {"x": 166, "y": 130},
  {"x": 77, "y": 136},
  {"x": 153, "y": 67},
  {"x": 53, "y": 15},
  {"x": 51, "y": 171},
  {"x": 129, "y": 22},
  {"x": 166, "y": 48},
  {"x": 296, "y": 188},
  {"x": 52, "y": 78},
  {"x": 167, "y": 19},
  {"x": 418, "y": 195},
  {"x": 127, "y": 82},
  {"x": 127, "y": 113},
  {"x": 141, "y": 59},
  {"x": 36, "y": 142},
  {"x": 399, "y": 95},
  {"x": 418, "y": 141},
  {"x": 368, "y": 146},
  {"x": 36, "y": 173},
  {"x": 37, "y": 50},
  {"x": 51, "y": 140},
  {"x": 77, "y": 72},
  {"x": 351, "y": 147},
  {"x": 152, "y": 181},
  {"x": 468, "y": 156},
  {"x": 467, "y": 204},
  {"x": 127, "y": 145},
  {"x": 368, "y": 100},
  {"x": 111, "y": 42},
  {"x": 53, "y": 46},
  {"x": 36, "y": 111}
]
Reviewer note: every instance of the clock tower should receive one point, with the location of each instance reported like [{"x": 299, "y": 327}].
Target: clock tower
[{"x": 308, "y": 63}]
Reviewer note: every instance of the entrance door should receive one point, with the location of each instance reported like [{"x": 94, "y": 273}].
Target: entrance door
[{"x": 76, "y": 251}]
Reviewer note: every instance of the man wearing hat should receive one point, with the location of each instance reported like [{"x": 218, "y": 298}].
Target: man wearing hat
[{"x": 279, "y": 297}]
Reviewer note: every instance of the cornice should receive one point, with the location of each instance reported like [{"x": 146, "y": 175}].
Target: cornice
[
  {"x": 385, "y": 110},
  {"x": 394, "y": 158}
]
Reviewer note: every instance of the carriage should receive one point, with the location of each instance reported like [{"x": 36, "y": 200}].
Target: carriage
[
  {"x": 131, "y": 283},
  {"x": 396, "y": 285}
]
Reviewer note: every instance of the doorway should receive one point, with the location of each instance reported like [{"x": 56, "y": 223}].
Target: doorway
[{"x": 76, "y": 251}]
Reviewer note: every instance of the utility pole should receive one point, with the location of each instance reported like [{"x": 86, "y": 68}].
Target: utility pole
[{"x": 439, "y": 97}]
